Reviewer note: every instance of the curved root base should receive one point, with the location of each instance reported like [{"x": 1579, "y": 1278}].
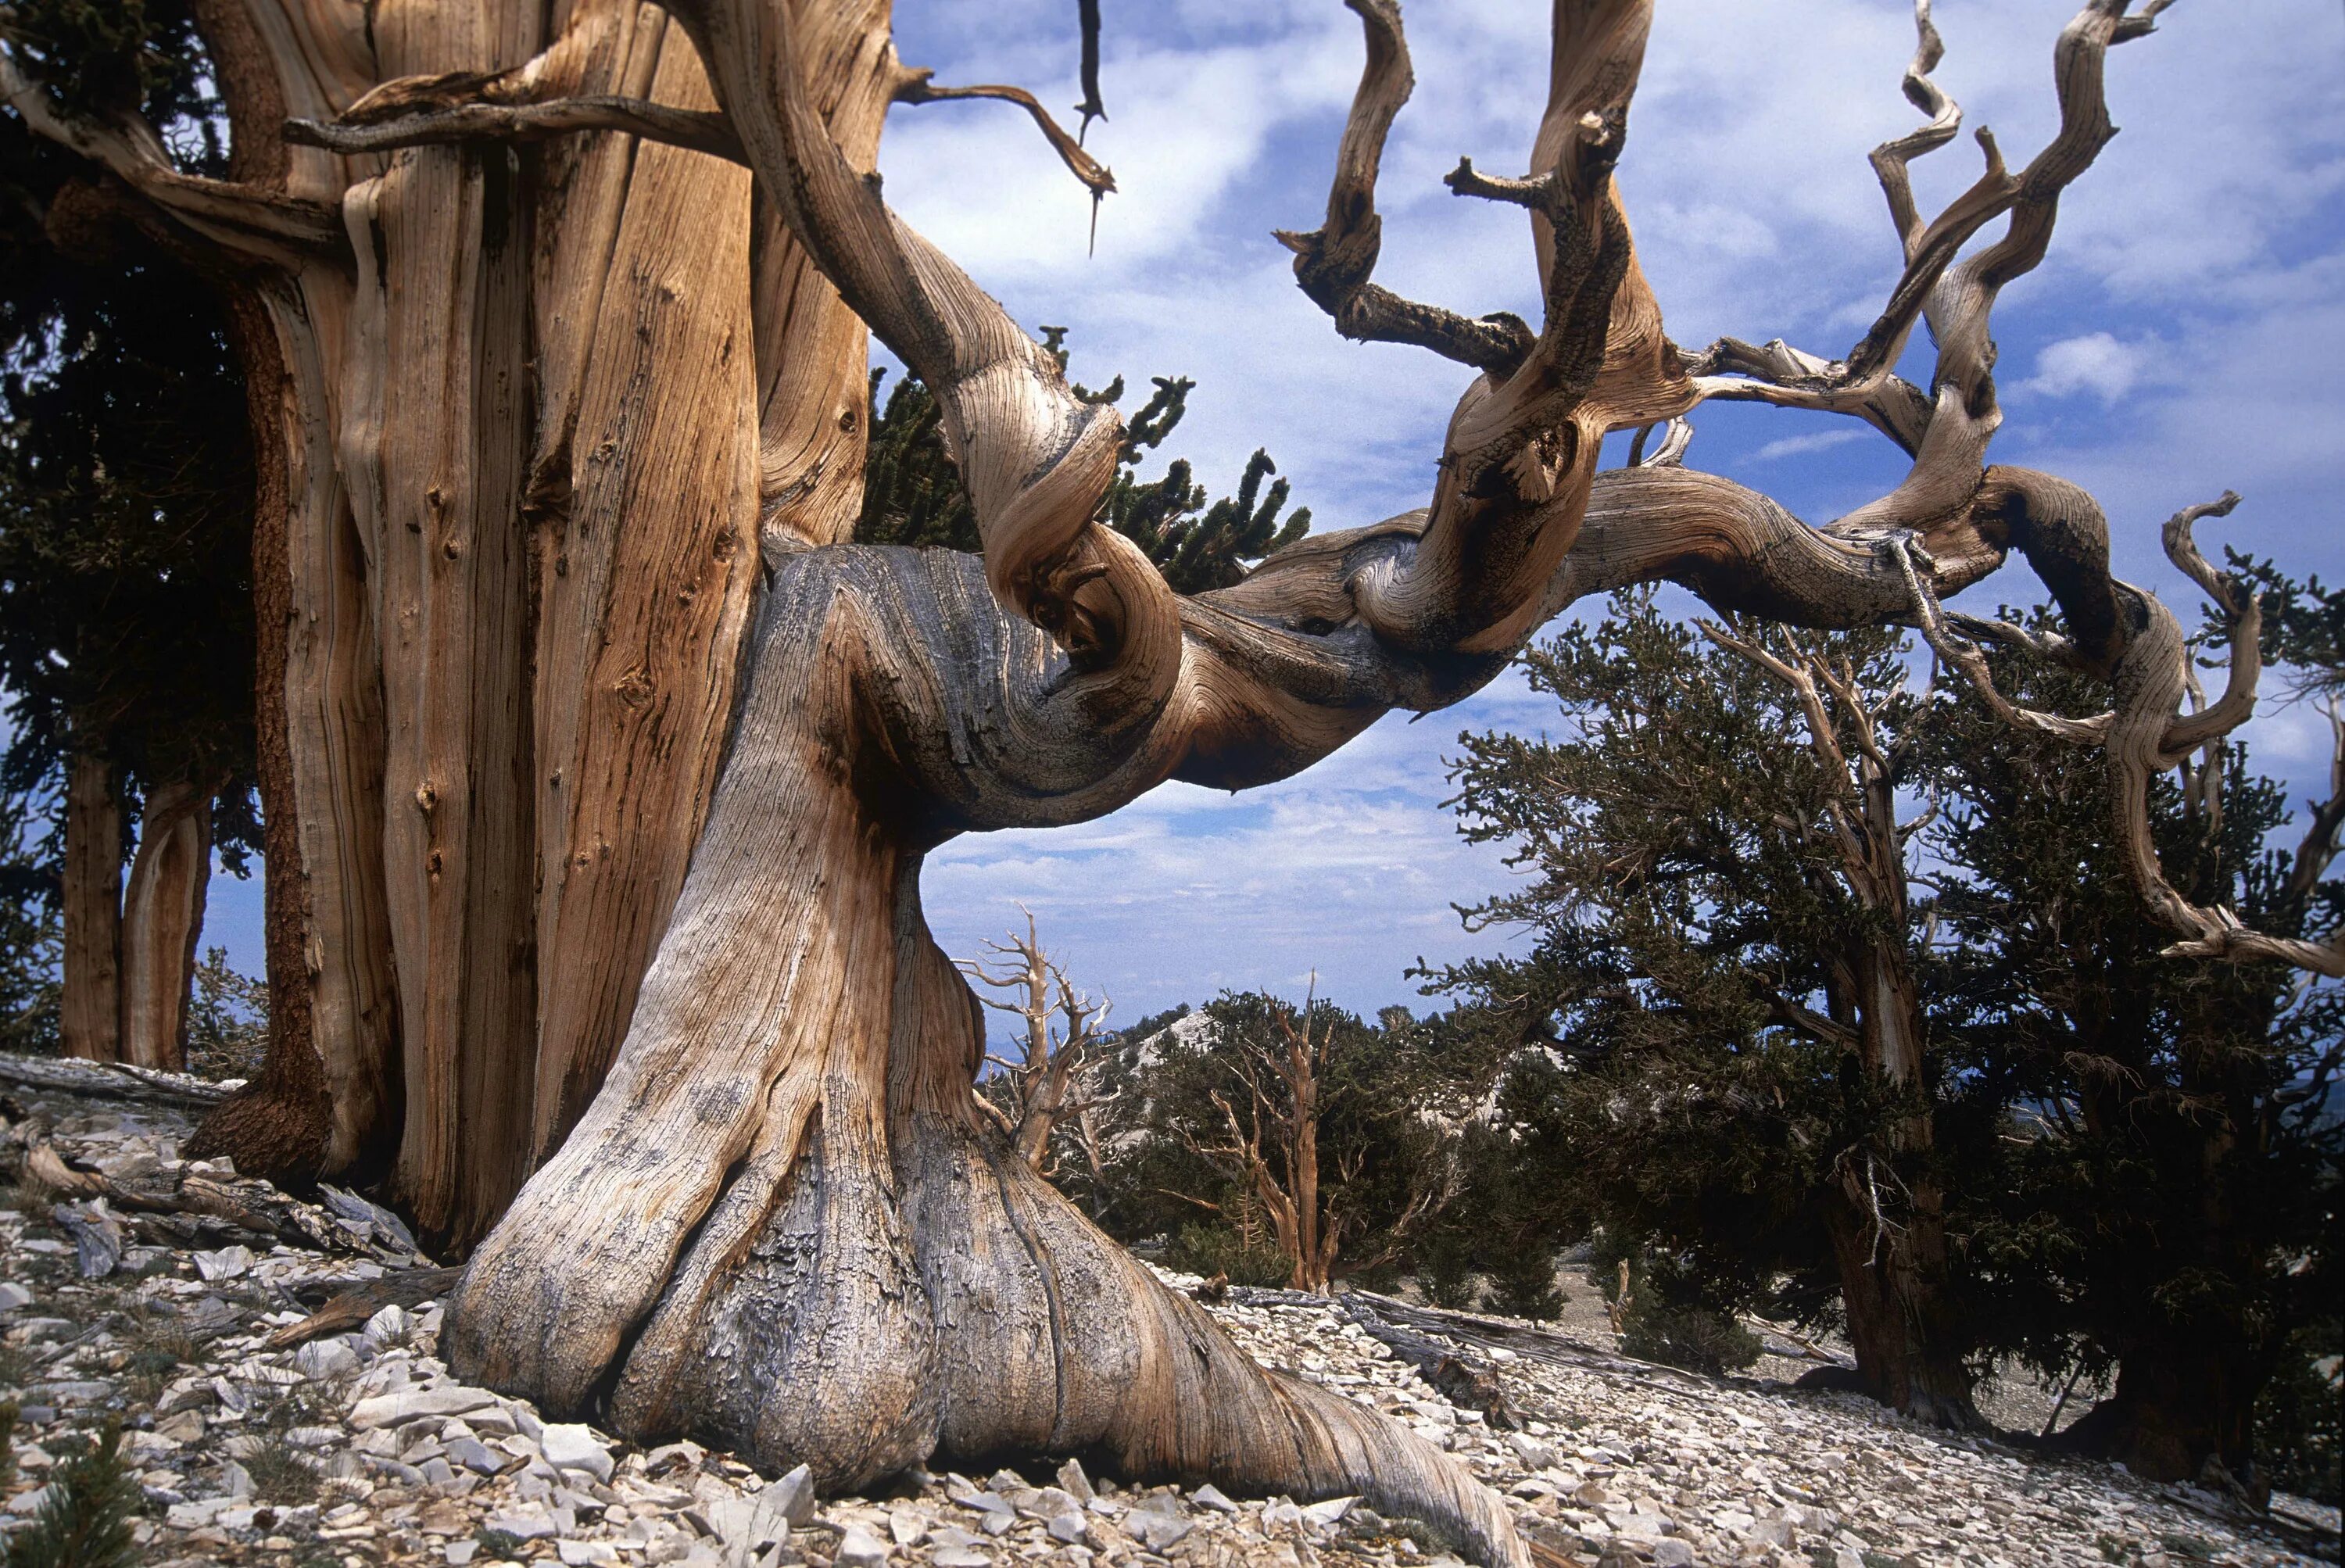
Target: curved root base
[
  {"x": 783, "y": 1225},
  {"x": 969, "y": 1315}
]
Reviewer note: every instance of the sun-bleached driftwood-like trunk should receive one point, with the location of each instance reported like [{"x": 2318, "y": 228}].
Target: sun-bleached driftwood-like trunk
[
  {"x": 162, "y": 916},
  {"x": 557, "y": 322},
  {"x": 522, "y": 418}
]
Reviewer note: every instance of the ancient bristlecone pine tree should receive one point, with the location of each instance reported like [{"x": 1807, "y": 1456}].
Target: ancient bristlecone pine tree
[{"x": 560, "y": 413}]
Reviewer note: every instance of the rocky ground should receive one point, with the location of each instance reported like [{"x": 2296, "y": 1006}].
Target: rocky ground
[{"x": 358, "y": 1447}]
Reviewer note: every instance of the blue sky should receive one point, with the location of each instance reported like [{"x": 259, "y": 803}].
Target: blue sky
[{"x": 2187, "y": 335}]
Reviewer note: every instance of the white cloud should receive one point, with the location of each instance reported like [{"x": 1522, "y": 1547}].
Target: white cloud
[
  {"x": 1800, "y": 446},
  {"x": 2095, "y": 363}
]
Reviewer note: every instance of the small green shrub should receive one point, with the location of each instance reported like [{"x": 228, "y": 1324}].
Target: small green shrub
[
  {"x": 85, "y": 1520},
  {"x": 1211, "y": 1249}
]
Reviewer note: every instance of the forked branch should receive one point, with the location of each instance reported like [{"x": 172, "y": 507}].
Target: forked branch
[
  {"x": 2147, "y": 732},
  {"x": 1334, "y": 263},
  {"x": 245, "y": 219},
  {"x": 696, "y": 129}
]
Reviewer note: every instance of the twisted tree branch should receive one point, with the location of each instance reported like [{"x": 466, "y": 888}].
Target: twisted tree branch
[
  {"x": 243, "y": 219},
  {"x": 1096, "y": 176}
]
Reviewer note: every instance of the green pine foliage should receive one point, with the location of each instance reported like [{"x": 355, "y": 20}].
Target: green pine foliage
[
  {"x": 227, "y": 1020},
  {"x": 2168, "y": 1211},
  {"x": 31, "y": 933},
  {"x": 85, "y": 1520},
  {"x": 912, "y": 494},
  {"x": 2140, "y": 1156},
  {"x": 125, "y": 470},
  {"x": 1681, "y": 890}
]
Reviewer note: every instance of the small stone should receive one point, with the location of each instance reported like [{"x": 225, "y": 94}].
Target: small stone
[
  {"x": 1074, "y": 1482},
  {"x": 533, "y": 1524},
  {"x": 460, "y": 1553},
  {"x": 1534, "y": 1455},
  {"x": 907, "y": 1528},
  {"x": 475, "y": 1455},
  {"x": 1327, "y": 1515},
  {"x": 227, "y": 1263},
  {"x": 859, "y": 1548},
  {"x": 407, "y": 1405},
  {"x": 961, "y": 1557},
  {"x": 1671, "y": 1552},
  {"x": 1069, "y": 1527},
  {"x": 184, "y": 1427},
  {"x": 1210, "y": 1496},
  {"x": 791, "y": 1498},
  {"x": 1157, "y": 1531},
  {"x": 13, "y": 1296},
  {"x": 580, "y": 1553},
  {"x": 570, "y": 1446},
  {"x": 325, "y": 1360}
]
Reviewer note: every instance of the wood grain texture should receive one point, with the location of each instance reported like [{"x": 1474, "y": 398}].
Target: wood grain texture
[
  {"x": 91, "y": 1006},
  {"x": 162, "y": 914}
]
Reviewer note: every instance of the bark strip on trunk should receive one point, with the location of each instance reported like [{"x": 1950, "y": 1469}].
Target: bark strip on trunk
[
  {"x": 162, "y": 917},
  {"x": 90, "y": 1012}
]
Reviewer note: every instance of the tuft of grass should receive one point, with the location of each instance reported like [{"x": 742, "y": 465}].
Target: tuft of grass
[
  {"x": 159, "y": 1345},
  {"x": 7, "y": 1448},
  {"x": 17, "y": 1366},
  {"x": 85, "y": 1520},
  {"x": 29, "y": 1196},
  {"x": 280, "y": 1472},
  {"x": 497, "y": 1544}
]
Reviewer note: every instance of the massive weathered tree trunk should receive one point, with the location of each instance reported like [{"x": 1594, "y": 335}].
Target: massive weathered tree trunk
[
  {"x": 546, "y": 377},
  {"x": 523, "y": 417},
  {"x": 162, "y": 915},
  {"x": 90, "y": 1008}
]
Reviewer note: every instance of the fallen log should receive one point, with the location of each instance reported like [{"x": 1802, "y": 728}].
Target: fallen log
[
  {"x": 1475, "y": 1332},
  {"x": 255, "y": 1206},
  {"x": 356, "y": 1300},
  {"x": 1463, "y": 1377},
  {"x": 111, "y": 1081}
]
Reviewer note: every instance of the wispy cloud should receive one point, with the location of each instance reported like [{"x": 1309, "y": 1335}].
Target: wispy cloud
[{"x": 1800, "y": 446}]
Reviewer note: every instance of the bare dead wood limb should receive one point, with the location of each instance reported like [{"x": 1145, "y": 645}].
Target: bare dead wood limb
[
  {"x": 353, "y": 1301},
  {"x": 1095, "y": 176},
  {"x": 1462, "y": 1378},
  {"x": 1334, "y": 263},
  {"x": 1086, "y": 21},
  {"x": 1476, "y": 1331},
  {"x": 245, "y": 218},
  {"x": 253, "y": 1205},
  {"x": 111, "y": 1081},
  {"x": 693, "y": 129}
]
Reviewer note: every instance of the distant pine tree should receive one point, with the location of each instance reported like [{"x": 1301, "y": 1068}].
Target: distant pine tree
[{"x": 912, "y": 495}]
